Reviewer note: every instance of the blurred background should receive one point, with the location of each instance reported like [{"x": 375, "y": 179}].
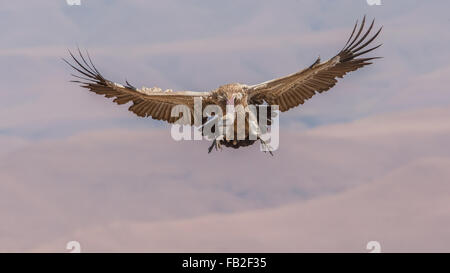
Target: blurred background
[{"x": 368, "y": 160}]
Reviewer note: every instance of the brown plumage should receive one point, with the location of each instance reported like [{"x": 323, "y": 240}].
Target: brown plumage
[{"x": 286, "y": 92}]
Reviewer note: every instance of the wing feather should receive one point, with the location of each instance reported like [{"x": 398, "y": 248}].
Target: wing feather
[
  {"x": 146, "y": 102},
  {"x": 295, "y": 89}
]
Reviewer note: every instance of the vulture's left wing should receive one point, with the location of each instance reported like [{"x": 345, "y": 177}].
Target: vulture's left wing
[
  {"x": 146, "y": 102},
  {"x": 295, "y": 89}
]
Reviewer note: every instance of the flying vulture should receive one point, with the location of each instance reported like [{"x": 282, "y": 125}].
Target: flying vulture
[{"x": 285, "y": 92}]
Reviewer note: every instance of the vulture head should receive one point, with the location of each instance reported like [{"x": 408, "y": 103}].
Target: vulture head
[{"x": 231, "y": 94}]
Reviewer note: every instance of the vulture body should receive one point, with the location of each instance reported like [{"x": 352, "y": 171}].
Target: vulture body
[{"x": 286, "y": 92}]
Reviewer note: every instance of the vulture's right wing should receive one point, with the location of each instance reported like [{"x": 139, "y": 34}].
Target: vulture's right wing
[{"x": 146, "y": 102}]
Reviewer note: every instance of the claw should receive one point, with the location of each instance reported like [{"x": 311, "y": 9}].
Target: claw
[
  {"x": 212, "y": 146},
  {"x": 218, "y": 145},
  {"x": 215, "y": 144},
  {"x": 266, "y": 147}
]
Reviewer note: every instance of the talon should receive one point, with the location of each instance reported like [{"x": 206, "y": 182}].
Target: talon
[
  {"x": 212, "y": 146},
  {"x": 266, "y": 147},
  {"x": 216, "y": 144}
]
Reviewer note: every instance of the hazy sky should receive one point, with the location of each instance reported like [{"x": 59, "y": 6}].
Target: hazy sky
[{"x": 368, "y": 160}]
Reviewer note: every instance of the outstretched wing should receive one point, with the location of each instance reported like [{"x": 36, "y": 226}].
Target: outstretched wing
[
  {"x": 295, "y": 89},
  {"x": 146, "y": 102}
]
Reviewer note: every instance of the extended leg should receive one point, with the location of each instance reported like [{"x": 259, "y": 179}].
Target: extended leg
[
  {"x": 217, "y": 143},
  {"x": 266, "y": 147}
]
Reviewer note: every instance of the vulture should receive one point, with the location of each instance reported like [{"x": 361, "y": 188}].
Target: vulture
[{"x": 285, "y": 93}]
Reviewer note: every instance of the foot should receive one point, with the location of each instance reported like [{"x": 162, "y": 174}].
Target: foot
[
  {"x": 216, "y": 144},
  {"x": 266, "y": 147}
]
